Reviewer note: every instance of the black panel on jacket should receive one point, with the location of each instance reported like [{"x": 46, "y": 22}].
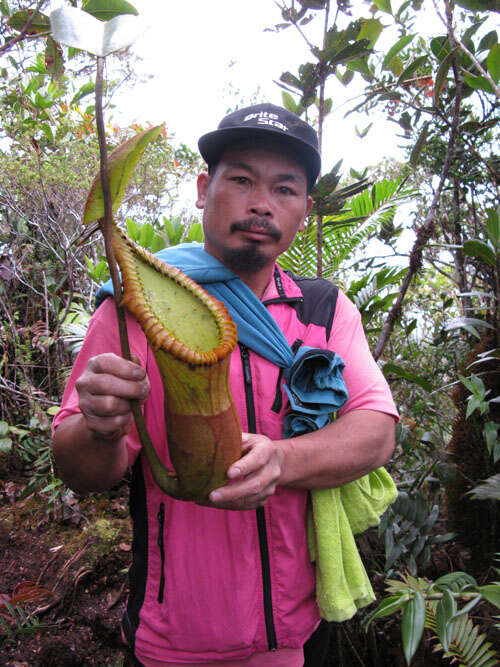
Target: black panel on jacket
[
  {"x": 320, "y": 299},
  {"x": 138, "y": 571}
]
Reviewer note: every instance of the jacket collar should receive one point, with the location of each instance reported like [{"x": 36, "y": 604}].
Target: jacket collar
[{"x": 281, "y": 288}]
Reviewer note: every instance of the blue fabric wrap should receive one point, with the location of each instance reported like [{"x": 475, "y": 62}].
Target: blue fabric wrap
[{"x": 313, "y": 377}]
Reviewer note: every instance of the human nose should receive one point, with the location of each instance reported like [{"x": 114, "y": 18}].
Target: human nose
[{"x": 259, "y": 202}]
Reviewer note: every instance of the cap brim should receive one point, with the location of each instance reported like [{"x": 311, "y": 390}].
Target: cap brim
[{"x": 213, "y": 145}]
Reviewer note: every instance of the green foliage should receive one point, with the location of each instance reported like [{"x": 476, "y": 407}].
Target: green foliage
[
  {"x": 433, "y": 605},
  {"x": 407, "y": 527}
]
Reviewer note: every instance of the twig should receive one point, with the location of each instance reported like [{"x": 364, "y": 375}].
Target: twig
[{"x": 425, "y": 231}]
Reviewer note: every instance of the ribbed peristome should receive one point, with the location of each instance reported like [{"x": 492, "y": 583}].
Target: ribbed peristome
[{"x": 134, "y": 298}]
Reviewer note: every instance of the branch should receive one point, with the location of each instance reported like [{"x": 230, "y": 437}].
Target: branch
[
  {"x": 8, "y": 45},
  {"x": 425, "y": 231}
]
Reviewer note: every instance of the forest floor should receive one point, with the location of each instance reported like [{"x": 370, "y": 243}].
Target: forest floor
[{"x": 75, "y": 557}]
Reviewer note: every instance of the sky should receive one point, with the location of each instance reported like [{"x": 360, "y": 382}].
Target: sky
[{"x": 201, "y": 58}]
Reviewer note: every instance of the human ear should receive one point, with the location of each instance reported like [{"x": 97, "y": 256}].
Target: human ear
[
  {"x": 309, "y": 204},
  {"x": 202, "y": 187}
]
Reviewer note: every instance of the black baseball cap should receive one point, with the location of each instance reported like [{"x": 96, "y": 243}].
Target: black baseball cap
[{"x": 258, "y": 120}]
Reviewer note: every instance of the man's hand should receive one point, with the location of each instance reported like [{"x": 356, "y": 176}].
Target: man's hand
[
  {"x": 105, "y": 389},
  {"x": 255, "y": 475}
]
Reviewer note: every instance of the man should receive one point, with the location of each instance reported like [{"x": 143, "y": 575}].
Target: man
[{"x": 230, "y": 581}]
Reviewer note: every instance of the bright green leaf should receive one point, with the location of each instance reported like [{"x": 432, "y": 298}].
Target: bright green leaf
[
  {"x": 83, "y": 91},
  {"x": 104, "y": 10},
  {"x": 384, "y": 6},
  {"x": 389, "y": 606},
  {"x": 157, "y": 244},
  {"x": 396, "y": 48},
  {"x": 132, "y": 229},
  {"x": 479, "y": 250},
  {"x": 412, "y": 625},
  {"x": 288, "y": 101},
  {"x": 53, "y": 410},
  {"x": 121, "y": 164},
  {"x": 195, "y": 232},
  {"x": 370, "y": 30},
  {"x": 146, "y": 235},
  {"x": 478, "y": 83},
  {"x": 493, "y": 62}
]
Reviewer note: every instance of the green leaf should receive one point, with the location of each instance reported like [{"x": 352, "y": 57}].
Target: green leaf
[
  {"x": 493, "y": 226},
  {"x": 478, "y": 83},
  {"x": 53, "y": 410},
  {"x": 121, "y": 164},
  {"x": 39, "y": 25},
  {"x": 479, "y": 250},
  {"x": 78, "y": 29},
  {"x": 361, "y": 65},
  {"x": 83, "y": 91},
  {"x": 4, "y": 428},
  {"x": 488, "y": 41},
  {"x": 54, "y": 60},
  {"x": 441, "y": 76},
  {"x": 412, "y": 625},
  {"x": 146, "y": 235},
  {"x": 491, "y": 592},
  {"x": 384, "y": 6},
  {"x": 362, "y": 133},
  {"x": 393, "y": 369},
  {"x": 132, "y": 229},
  {"x": 396, "y": 48},
  {"x": 493, "y": 62},
  {"x": 488, "y": 490},
  {"x": 490, "y": 431},
  {"x": 195, "y": 233},
  {"x": 389, "y": 606},
  {"x": 408, "y": 72},
  {"x": 157, "y": 244},
  {"x": 104, "y": 10},
  {"x": 370, "y": 30},
  {"x": 419, "y": 144},
  {"x": 445, "y": 610},
  {"x": 288, "y": 101},
  {"x": 455, "y": 580},
  {"x": 480, "y": 5}
]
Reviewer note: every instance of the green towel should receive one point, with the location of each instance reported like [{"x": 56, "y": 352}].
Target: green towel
[{"x": 334, "y": 517}]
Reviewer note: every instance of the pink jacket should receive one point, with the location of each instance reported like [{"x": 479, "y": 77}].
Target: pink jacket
[{"x": 209, "y": 584}]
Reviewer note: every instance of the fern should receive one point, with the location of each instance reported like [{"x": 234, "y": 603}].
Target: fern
[
  {"x": 467, "y": 647},
  {"x": 361, "y": 218}
]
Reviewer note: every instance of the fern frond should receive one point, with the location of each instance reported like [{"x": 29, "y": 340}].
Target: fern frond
[{"x": 467, "y": 646}]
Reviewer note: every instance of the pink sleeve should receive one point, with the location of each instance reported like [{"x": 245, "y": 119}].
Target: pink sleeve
[
  {"x": 366, "y": 385},
  {"x": 102, "y": 336}
]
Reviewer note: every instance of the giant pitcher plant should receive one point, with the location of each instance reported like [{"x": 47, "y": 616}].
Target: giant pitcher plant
[
  {"x": 192, "y": 337},
  {"x": 190, "y": 332}
]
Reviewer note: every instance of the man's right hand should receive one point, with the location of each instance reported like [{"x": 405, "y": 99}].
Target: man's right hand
[{"x": 105, "y": 389}]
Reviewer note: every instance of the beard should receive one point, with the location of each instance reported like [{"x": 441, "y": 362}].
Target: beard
[
  {"x": 244, "y": 260},
  {"x": 250, "y": 257}
]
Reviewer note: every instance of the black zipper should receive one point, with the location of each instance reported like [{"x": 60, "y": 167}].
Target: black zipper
[
  {"x": 261, "y": 517},
  {"x": 161, "y": 524}
]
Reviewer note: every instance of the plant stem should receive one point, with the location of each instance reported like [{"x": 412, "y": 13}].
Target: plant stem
[{"x": 160, "y": 473}]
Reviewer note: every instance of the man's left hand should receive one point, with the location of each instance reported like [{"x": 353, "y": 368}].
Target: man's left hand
[{"x": 253, "y": 478}]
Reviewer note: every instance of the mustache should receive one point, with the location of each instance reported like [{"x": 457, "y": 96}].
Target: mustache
[{"x": 256, "y": 224}]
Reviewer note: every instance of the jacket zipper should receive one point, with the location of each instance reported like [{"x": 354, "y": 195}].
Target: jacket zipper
[
  {"x": 261, "y": 517},
  {"x": 161, "y": 524}
]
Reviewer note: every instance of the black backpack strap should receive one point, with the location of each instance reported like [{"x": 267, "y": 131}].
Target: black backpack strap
[{"x": 318, "y": 305}]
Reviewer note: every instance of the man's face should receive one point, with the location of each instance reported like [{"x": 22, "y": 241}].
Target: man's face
[{"x": 253, "y": 205}]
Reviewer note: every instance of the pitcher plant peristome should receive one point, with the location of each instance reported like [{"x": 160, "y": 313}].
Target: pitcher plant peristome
[{"x": 192, "y": 337}]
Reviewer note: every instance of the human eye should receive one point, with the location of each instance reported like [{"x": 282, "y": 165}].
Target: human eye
[
  {"x": 285, "y": 190},
  {"x": 241, "y": 180}
]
